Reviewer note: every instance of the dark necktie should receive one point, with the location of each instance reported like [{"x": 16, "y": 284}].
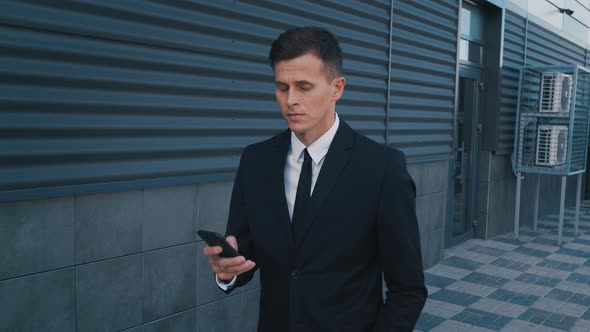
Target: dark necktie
[{"x": 303, "y": 191}]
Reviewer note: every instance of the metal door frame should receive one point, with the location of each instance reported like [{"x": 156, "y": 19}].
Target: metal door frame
[{"x": 474, "y": 73}]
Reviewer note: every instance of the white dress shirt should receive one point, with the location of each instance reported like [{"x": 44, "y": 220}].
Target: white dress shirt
[{"x": 317, "y": 151}]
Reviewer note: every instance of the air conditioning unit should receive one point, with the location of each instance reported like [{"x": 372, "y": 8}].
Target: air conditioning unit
[
  {"x": 556, "y": 92},
  {"x": 551, "y": 145}
]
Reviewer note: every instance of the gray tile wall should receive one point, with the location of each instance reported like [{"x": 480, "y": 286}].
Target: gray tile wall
[
  {"x": 36, "y": 236},
  {"x": 39, "y": 302},
  {"x": 131, "y": 260},
  {"x": 182, "y": 322},
  {"x": 497, "y": 184},
  {"x": 431, "y": 207},
  {"x": 108, "y": 225},
  {"x": 109, "y": 294},
  {"x": 118, "y": 261}
]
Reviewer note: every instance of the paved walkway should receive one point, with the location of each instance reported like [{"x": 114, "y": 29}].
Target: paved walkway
[{"x": 507, "y": 285}]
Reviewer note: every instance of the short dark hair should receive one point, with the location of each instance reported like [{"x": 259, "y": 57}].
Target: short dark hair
[{"x": 302, "y": 40}]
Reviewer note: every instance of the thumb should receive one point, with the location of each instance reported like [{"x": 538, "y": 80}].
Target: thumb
[{"x": 232, "y": 240}]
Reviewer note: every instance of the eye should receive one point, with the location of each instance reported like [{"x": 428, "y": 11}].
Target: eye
[
  {"x": 282, "y": 87},
  {"x": 305, "y": 87}
]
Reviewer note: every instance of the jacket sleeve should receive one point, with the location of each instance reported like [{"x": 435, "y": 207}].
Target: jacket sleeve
[
  {"x": 238, "y": 225},
  {"x": 399, "y": 249}
]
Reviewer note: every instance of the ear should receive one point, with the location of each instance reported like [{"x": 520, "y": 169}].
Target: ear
[{"x": 338, "y": 85}]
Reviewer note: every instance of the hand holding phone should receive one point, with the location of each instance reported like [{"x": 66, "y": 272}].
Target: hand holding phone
[
  {"x": 215, "y": 239},
  {"x": 229, "y": 263}
]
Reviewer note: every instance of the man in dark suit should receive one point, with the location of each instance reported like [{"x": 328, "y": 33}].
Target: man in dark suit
[{"x": 321, "y": 210}]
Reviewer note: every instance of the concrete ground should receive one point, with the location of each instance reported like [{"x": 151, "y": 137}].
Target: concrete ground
[{"x": 502, "y": 284}]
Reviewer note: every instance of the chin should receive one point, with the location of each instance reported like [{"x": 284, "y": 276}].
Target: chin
[{"x": 296, "y": 128}]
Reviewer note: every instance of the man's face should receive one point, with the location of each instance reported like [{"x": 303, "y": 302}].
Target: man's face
[{"x": 306, "y": 96}]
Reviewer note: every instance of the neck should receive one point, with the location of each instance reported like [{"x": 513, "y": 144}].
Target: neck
[{"x": 308, "y": 138}]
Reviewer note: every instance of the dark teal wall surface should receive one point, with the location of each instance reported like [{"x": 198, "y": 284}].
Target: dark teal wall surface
[
  {"x": 527, "y": 43},
  {"x": 424, "y": 63},
  {"x": 100, "y": 96},
  {"x": 121, "y": 126}
]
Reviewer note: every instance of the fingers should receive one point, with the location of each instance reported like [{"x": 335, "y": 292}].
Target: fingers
[
  {"x": 232, "y": 240},
  {"x": 227, "y": 268},
  {"x": 230, "y": 265},
  {"x": 210, "y": 251},
  {"x": 227, "y": 272},
  {"x": 216, "y": 250},
  {"x": 218, "y": 262}
]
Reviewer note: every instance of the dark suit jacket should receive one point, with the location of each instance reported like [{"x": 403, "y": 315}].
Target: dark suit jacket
[{"x": 362, "y": 223}]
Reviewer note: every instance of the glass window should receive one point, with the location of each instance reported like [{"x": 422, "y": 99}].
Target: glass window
[
  {"x": 472, "y": 22},
  {"x": 470, "y": 51},
  {"x": 472, "y": 34}
]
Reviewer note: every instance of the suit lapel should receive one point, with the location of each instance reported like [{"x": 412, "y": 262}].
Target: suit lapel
[
  {"x": 336, "y": 160},
  {"x": 276, "y": 179}
]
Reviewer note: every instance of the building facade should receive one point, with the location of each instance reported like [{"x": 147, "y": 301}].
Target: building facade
[{"x": 122, "y": 124}]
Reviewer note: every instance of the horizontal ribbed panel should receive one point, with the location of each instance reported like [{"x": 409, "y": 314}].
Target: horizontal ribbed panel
[
  {"x": 514, "y": 53},
  {"x": 546, "y": 48},
  {"x": 543, "y": 48},
  {"x": 423, "y": 67},
  {"x": 100, "y": 92}
]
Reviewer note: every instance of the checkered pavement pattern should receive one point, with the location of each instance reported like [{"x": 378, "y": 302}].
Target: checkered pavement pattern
[{"x": 502, "y": 284}]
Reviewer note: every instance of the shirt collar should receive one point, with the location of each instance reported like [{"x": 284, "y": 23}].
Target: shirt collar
[{"x": 318, "y": 149}]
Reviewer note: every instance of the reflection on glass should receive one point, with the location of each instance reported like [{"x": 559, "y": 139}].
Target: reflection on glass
[
  {"x": 470, "y": 51},
  {"x": 472, "y": 21},
  {"x": 464, "y": 50},
  {"x": 462, "y": 214},
  {"x": 465, "y": 21}
]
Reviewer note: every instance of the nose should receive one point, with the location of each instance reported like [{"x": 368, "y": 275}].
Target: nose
[{"x": 292, "y": 98}]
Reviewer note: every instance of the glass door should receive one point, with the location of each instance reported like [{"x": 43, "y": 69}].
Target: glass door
[{"x": 463, "y": 189}]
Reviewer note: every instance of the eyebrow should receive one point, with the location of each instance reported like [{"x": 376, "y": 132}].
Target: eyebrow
[{"x": 297, "y": 82}]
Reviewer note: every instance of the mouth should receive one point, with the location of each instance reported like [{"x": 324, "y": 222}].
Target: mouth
[{"x": 294, "y": 116}]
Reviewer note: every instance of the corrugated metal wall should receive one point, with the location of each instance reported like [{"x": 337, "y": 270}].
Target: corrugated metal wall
[
  {"x": 513, "y": 59},
  {"x": 527, "y": 43},
  {"x": 96, "y": 92},
  {"x": 424, "y": 59},
  {"x": 545, "y": 48}
]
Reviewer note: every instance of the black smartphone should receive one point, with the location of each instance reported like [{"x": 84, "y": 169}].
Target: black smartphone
[{"x": 216, "y": 239}]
